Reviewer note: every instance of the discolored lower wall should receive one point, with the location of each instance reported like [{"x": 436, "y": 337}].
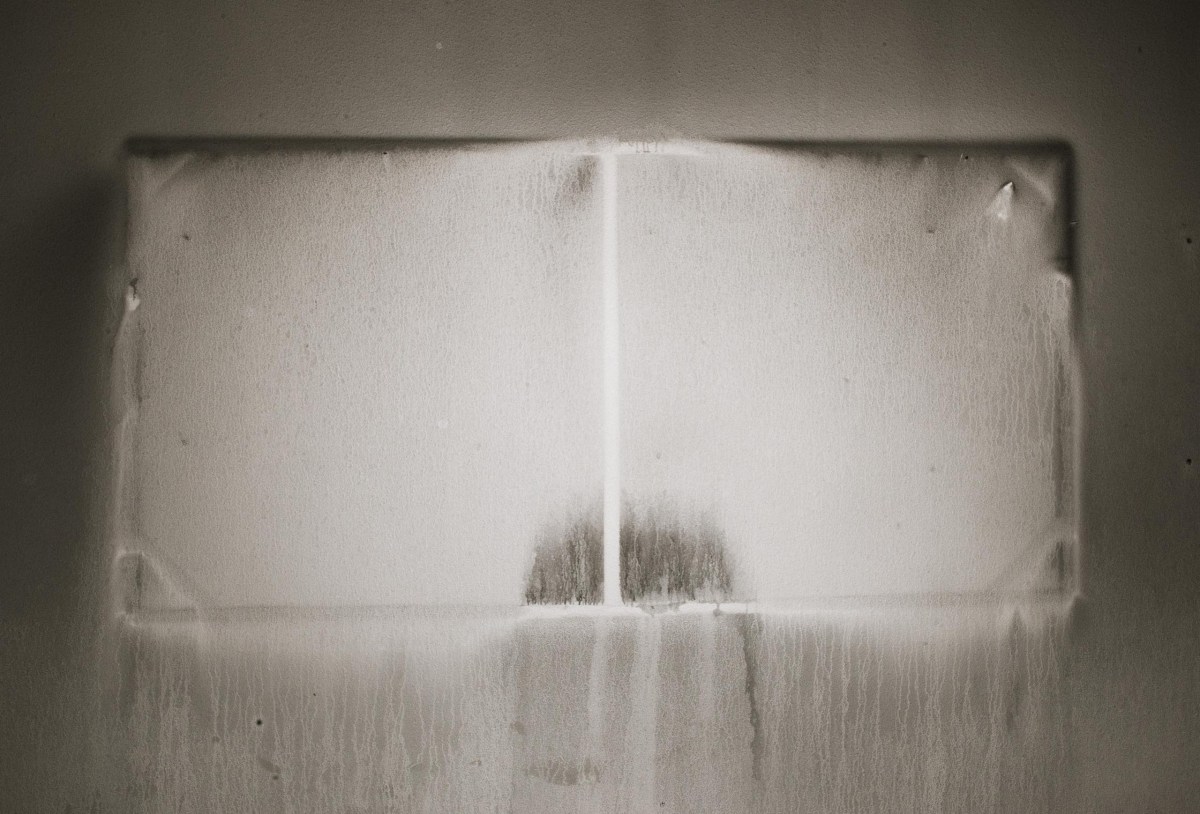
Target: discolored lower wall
[{"x": 914, "y": 709}]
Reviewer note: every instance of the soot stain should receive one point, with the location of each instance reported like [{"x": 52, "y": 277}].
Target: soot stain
[
  {"x": 671, "y": 554},
  {"x": 568, "y": 562},
  {"x": 667, "y": 555}
]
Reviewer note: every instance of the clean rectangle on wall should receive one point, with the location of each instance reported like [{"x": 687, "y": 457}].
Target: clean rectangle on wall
[
  {"x": 852, "y": 366},
  {"x": 369, "y": 374},
  {"x": 410, "y": 373}
]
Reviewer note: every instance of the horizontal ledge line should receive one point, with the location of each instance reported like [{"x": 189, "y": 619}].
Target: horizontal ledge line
[{"x": 271, "y": 613}]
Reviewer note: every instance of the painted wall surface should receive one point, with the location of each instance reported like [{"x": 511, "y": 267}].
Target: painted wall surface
[
  {"x": 364, "y": 377},
  {"x": 1119, "y": 83},
  {"x": 372, "y": 376},
  {"x": 860, "y": 362}
]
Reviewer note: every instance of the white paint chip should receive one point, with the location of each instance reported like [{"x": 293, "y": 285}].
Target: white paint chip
[{"x": 1001, "y": 206}]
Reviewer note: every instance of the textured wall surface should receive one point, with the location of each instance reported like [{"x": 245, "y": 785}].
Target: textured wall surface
[
  {"x": 372, "y": 376},
  {"x": 859, "y": 361},
  {"x": 882, "y": 709},
  {"x": 365, "y": 377},
  {"x": 1118, "y": 82}
]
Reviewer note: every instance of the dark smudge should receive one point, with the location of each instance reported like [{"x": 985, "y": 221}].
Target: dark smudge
[
  {"x": 568, "y": 563},
  {"x": 667, "y": 555},
  {"x": 672, "y": 555},
  {"x": 562, "y": 773},
  {"x": 749, "y": 626}
]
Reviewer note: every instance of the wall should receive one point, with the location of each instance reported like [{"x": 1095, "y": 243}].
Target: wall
[{"x": 1120, "y": 84}]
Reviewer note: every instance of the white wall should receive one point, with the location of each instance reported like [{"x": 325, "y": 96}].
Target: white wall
[
  {"x": 1119, "y": 83},
  {"x": 852, "y": 359},
  {"x": 372, "y": 376},
  {"x": 365, "y": 377}
]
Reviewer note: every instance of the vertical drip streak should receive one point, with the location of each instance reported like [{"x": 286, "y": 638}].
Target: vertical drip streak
[{"x": 612, "y": 381}]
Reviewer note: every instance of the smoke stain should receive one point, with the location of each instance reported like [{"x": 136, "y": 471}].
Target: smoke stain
[
  {"x": 568, "y": 563},
  {"x": 667, "y": 555},
  {"x": 672, "y": 555}
]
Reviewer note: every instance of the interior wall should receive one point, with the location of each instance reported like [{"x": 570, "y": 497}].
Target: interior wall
[{"x": 1119, "y": 82}]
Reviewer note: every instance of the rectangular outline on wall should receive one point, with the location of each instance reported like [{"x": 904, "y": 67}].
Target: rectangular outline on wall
[{"x": 1071, "y": 491}]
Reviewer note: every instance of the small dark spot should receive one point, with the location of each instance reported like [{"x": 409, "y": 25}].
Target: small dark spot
[
  {"x": 183, "y": 441},
  {"x": 1139, "y": 49},
  {"x": 258, "y": 722},
  {"x": 929, "y": 230},
  {"x": 274, "y": 777},
  {"x": 345, "y": 115},
  {"x": 1188, "y": 240},
  {"x": 1189, "y": 461},
  {"x": 314, "y": 695},
  {"x": 216, "y": 738},
  {"x": 186, "y": 236},
  {"x": 966, "y": 157}
]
